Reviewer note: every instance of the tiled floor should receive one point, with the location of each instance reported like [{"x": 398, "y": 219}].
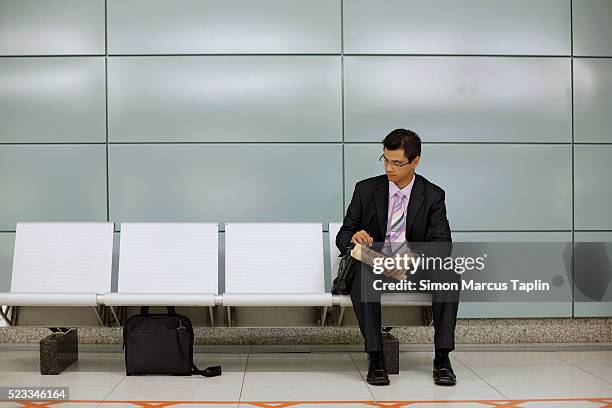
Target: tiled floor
[{"x": 329, "y": 379}]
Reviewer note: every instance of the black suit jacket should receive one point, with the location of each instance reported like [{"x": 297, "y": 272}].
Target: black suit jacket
[{"x": 425, "y": 222}]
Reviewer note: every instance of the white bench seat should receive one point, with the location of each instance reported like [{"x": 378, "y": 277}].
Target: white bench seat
[
  {"x": 277, "y": 299},
  {"x": 274, "y": 264},
  {"x": 60, "y": 264},
  {"x": 167, "y": 264},
  {"x": 159, "y": 299},
  {"x": 48, "y": 299}
]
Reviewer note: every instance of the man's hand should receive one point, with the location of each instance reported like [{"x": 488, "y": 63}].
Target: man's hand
[
  {"x": 398, "y": 274},
  {"x": 363, "y": 238}
]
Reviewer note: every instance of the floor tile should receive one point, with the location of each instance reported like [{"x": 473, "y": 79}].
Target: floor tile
[
  {"x": 311, "y": 405},
  {"x": 232, "y": 375},
  {"x": 358, "y": 393},
  {"x": 560, "y": 404},
  {"x": 201, "y": 404},
  {"x": 61, "y": 405},
  {"x": 30, "y": 375},
  {"x": 584, "y": 357},
  {"x": 451, "y": 405},
  {"x": 132, "y": 392},
  {"x": 602, "y": 371},
  {"x": 286, "y": 370},
  {"x": 434, "y": 392},
  {"x": 537, "y": 375},
  {"x": 10, "y": 361},
  {"x": 303, "y": 379},
  {"x": 582, "y": 391},
  {"x": 507, "y": 358}
]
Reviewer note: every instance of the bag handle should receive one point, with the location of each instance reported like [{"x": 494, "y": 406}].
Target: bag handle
[
  {"x": 347, "y": 251},
  {"x": 145, "y": 310},
  {"x": 211, "y": 371}
]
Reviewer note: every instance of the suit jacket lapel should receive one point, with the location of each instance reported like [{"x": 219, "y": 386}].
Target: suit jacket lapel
[
  {"x": 415, "y": 202},
  {"x": 381, "y": 197}
]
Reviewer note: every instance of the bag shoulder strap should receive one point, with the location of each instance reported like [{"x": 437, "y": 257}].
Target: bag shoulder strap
[{"x": 211, "y": 371}]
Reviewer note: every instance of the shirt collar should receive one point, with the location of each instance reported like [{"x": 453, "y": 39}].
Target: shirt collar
[{"x": 393, "y": 188}]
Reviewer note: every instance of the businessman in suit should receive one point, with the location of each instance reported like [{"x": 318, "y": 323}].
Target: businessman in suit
[{"x": 400, "y": 206}]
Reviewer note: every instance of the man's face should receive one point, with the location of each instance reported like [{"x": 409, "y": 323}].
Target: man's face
[{"x": 397, "y": 166}]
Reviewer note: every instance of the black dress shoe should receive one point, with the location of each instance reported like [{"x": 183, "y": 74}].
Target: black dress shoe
[
  {"x": 377, "y": 372},
  {"x": 443, "y": 372}
]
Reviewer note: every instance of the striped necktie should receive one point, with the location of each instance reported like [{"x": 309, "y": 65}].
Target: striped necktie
[{"x": 397, "y": 231}]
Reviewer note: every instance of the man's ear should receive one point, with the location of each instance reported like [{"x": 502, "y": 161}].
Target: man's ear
[{"x": 415, "y": 161}]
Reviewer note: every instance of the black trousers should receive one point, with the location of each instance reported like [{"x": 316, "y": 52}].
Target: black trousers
[{"x": 366, "y": 304}]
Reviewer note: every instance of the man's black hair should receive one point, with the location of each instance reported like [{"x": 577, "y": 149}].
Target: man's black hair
[{"x": 404, "y": 139}]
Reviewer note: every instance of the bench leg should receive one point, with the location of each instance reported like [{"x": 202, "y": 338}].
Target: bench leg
[
  {"x": 339, "y": 322},
  {"x": 58, "y": 350},
  {"x": 229, "y": 316},
  {"x": 95, "y": 308},
  {"x": 323, "y": 316},
  {"x": 391, "y": 353},
  {"x": 117, "y": 321},
  {"x": 212, "y": 316},
  {"x": 5, "y": 314}
]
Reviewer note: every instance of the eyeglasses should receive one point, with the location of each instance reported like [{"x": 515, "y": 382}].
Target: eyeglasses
[{"x": 391, "y": 163}]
